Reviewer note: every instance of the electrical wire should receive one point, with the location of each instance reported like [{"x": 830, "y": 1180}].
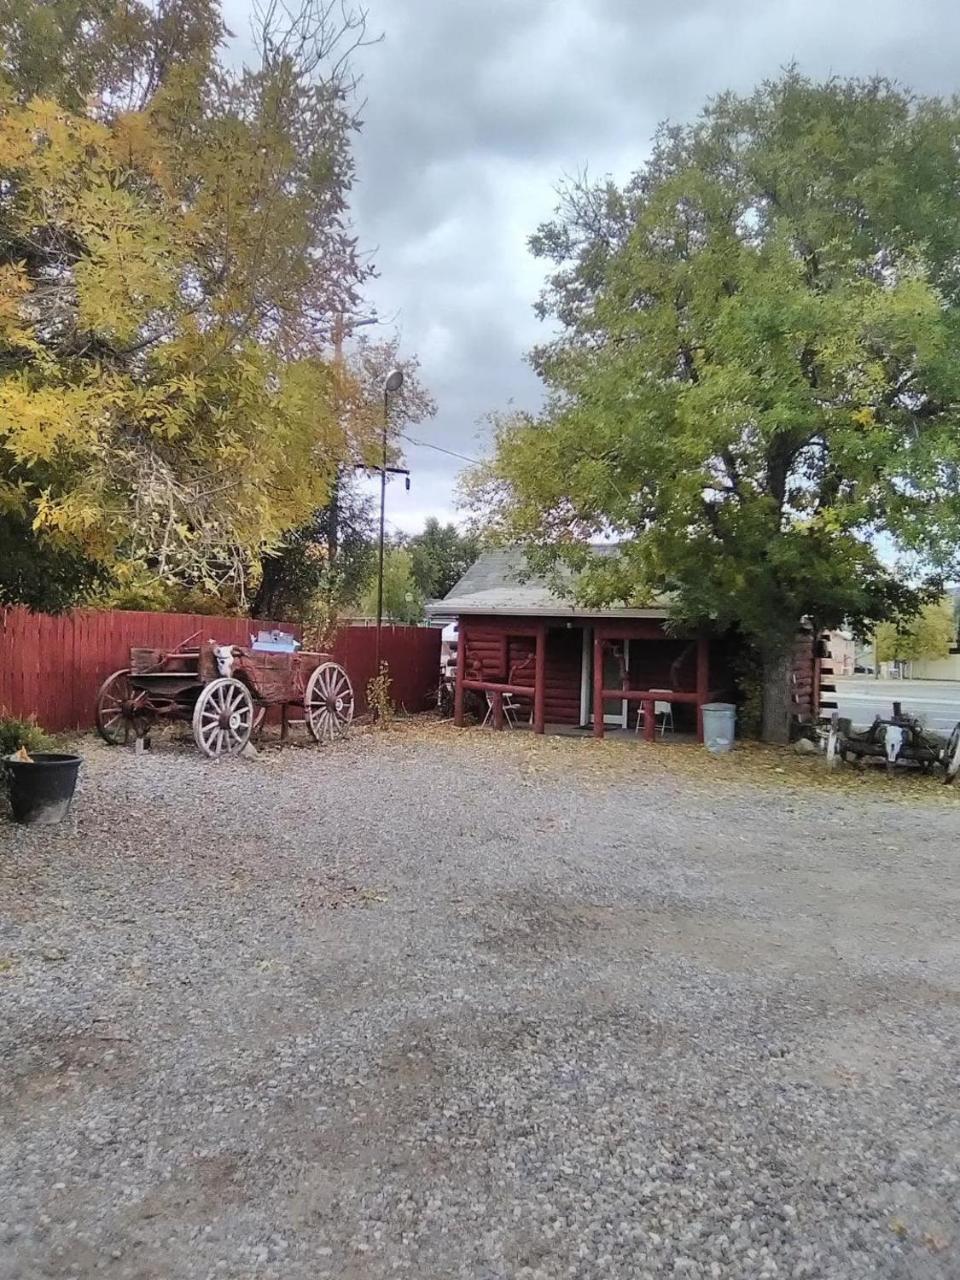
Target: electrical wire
[{"x": 425, "y": 444}]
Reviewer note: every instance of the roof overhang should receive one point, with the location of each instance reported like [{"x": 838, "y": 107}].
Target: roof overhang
[{"x": 455, "y": 609}]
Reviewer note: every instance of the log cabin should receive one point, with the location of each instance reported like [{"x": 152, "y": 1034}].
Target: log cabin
[{"x": 520, "y": 644}]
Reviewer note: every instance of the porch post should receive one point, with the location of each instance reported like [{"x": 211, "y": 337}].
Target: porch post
[
  {"x": 597, "y": 683},
  {"x": 539, "y": 677},
  {"x": 649, "y": 720},
  {"x": 461, "y": 668},
  {"x": 703, "y": 680},
  {"x": 497, "y": 709}
]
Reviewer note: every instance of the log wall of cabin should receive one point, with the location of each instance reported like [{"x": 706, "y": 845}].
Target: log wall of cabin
[
  {"x": 804, "y": 694},
  {"x": 494, "y": 653}
]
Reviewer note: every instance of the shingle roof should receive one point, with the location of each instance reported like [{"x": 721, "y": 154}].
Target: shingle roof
[{"x": 499, "y": 582}]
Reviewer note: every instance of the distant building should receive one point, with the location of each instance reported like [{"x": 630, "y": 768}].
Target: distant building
[{"x": 843, "y": 652}]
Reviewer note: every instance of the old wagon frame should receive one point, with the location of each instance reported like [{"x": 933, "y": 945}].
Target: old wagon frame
[
  {"x": 900, "y": 738},
  {"x": 224, "y": 691}
]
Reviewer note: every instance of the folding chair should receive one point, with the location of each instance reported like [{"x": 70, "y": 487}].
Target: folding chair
[
  {"x": 663, "y": 711},
  {"x": 511, "y": 710}
]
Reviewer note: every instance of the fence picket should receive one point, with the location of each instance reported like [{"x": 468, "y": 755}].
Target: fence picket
[{"x": 51, "y": 667}]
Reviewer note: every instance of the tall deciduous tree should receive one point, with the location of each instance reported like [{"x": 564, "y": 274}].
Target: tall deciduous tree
[
  {"x": 931, "y": 634},
  {"x": 756, "y": 373},
  {"x": 173, "y": 246},
  {"x": 306, "y": 571},
  {"x": 440, "y": 556},
  {"x": 331, "y": 554},
  {"x": 402, "y": 601}
]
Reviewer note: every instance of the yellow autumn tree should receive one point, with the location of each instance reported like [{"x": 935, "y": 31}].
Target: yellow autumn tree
[{"x": 171, "y": 259}]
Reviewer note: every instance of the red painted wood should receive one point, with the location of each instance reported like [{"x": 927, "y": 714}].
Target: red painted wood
[
  {"x": 461, "y": 665},
  {"x": 52, "y": 667},
  {"x": 412, "y": 655},
  {"x": 649, "y": 720},
  {"x": 498, "y": 709},
  {"x": 633, "y": 629},
  {"x": 644, "y": 695},
  {"x": 497, "y": 686},
  {"x": 539, "y": 677}
]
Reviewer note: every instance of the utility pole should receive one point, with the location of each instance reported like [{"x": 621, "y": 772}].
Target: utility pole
[
  {"x": 333, "y": 524},
  {"x": 393, "y": 382}
]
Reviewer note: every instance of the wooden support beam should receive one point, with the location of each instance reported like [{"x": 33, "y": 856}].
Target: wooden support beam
[
  {"x": 635, "y": 629},
  {"x": 498, "y": 709},
  {"x": 597, "y": 683},
  {"x": 461, "y": 668},
  {"x": 649, "y": 720},
  {"x": 539, "y": 677},
  {"x": 647, "y": 695},
  {"x": 501, "y": 686},
  {"x": 703, "y": 680}
]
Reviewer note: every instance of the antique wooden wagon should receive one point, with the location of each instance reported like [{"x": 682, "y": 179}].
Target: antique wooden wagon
[
  {"x": 225, "y": 692},
  {"x": 900, "y": 738}
]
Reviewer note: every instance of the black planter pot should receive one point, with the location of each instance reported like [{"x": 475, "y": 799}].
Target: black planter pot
[{"x": 41, "y": 788}]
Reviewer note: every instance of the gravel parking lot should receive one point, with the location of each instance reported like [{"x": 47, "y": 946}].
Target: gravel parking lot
[{"x": 469, "y": 1005}]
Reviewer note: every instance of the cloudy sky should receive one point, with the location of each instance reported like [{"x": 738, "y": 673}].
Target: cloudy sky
[{"x": 476, "y": 109}]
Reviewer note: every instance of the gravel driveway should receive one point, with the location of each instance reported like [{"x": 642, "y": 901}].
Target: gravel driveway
[{"x": 448, "y": 1005}]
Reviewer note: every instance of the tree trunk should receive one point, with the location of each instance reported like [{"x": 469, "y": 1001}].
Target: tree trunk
[
  {"x": 271, "y": 578},
  {"x": 776, "y": 697}
]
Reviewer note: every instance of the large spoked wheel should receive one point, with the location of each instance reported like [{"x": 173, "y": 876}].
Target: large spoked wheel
[
  {"x": 223, "y": 718},
  {"x": 951, "y": 755},
  {"x": 328, "y": 702},
  {"x": 120, "y": 712}
]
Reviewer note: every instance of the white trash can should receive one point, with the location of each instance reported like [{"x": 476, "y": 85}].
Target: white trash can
[{"x": 719, "y": 723}]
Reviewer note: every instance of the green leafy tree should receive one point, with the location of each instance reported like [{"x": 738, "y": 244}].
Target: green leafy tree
[
  {"x": 402, "y": 600},
  {"x": 332, "y": 554},
  {"x": 174, "y": 243},
  {"x": 331, "y": 557},
  {"x": 39, "y": 573},
  {"x": 440, "y": 556},
  {"x": 756, "y": 373},
  {"x": 932, "y": 633}
]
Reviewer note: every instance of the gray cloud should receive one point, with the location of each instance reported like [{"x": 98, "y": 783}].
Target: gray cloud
[{"x": 477, "y": 108}]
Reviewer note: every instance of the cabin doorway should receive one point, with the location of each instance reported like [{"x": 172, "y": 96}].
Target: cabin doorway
[{"x": 616, "y": 663}]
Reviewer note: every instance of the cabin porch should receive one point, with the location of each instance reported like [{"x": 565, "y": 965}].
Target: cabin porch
[{"x": 558, "y": 670}]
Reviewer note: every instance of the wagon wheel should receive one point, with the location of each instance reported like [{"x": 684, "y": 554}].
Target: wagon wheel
[
  {"x": 120, "y": 710},
  {"x": 951, "y": 755},
  {"x": 223, "y": 717},
  {"x": 328, "y": 702},
  {"x": 834, "y": 747}
]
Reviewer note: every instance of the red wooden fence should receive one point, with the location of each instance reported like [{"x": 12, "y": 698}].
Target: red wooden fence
[{"x": 51, "y": 667}]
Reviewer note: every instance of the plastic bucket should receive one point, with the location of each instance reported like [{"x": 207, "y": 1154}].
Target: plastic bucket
[
  {"x": 719, "y": 725},
  {"x": 42, "y": 788}
]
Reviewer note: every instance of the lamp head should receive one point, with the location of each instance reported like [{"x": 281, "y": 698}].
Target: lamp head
[{"x": 394, "y": 380}]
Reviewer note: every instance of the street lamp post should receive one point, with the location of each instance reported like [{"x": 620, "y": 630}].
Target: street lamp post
[
  {"x": 394, "y": 381},
  {"x": 343, "y": 327}
]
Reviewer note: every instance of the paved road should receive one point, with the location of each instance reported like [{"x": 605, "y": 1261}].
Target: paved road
[{"x": 936, "y": 701}]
